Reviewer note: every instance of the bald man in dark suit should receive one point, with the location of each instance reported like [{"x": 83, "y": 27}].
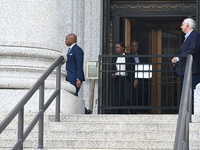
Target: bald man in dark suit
[{"x": 74, "y": 64}]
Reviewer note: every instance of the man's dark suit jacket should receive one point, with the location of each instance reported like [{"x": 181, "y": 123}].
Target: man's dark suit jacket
[
  {"x": 74, "y": 65},
  {"x": 190, "y": 46},
  {"x": 130, "y": 68}
]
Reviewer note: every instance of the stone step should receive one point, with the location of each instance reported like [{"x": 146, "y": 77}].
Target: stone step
[
  {"x": 123, "y": 135},
  {"x": 107, "y": 126},
  {"x": 95, "y": 149},
  {"x": 194, "y": 131},
  {"x": 99, "y": 149},
  {"x": 195, "y": 127},
  {"x": 115, "y": 135},
  {"x": 194, "y": 145},
  {"x": 138, "y": 118},
  {"x": 196, "y": 118},
  {"x": 101, "y": 126},
  {"x": 92, "y": 132},
  {"x": 94, "y": 144},
  {"x": 109, "y": 119}
]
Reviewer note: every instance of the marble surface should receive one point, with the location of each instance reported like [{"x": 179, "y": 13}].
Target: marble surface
[
  {"x": 28, "y": 41},
  {"x": 29, "y": 23},
  {"x": 32, "y": 36},
  {"x": 86, "y": 23},
  {"x": 197, "y": 100}
]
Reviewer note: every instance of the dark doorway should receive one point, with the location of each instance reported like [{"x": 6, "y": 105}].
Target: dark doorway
[
  {"x": 143, "y": 29},
  {"x": 157, "y": 36},
  {"x": 156, "y": 25}
]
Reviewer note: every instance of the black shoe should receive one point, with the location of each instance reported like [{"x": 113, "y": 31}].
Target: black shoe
[{"x": 87, "y": 111}]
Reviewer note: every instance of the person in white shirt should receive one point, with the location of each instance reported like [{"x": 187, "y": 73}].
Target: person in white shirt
[
  {"x": 124, "y": 81},
  {"x": 141, "y": 93}
]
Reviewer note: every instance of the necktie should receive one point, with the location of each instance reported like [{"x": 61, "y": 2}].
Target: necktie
[
  {"x": 69, "y": 49},
  {"x": 137, "y": 60}
]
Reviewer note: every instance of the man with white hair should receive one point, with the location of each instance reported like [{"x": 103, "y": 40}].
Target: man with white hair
[{"x": 191, "y": 45}]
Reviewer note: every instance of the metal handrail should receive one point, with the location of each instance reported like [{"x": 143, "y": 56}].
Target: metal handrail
[
  {"x": 184, "y": 117},
  {"x": 19, "y": 108}
]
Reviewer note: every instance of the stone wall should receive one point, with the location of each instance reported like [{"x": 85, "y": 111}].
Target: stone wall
[
  {"x": 83, "y": 18},
  {"x": 32, "y": 36},
  {"x": 197, "y": 100}
]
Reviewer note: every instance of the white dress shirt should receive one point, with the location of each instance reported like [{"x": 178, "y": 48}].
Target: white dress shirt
[
  {"x": 121, "y": 66},
  {"x": 136, "y": 59}
]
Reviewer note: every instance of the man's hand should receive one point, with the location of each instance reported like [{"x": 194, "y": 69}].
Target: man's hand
[
  {"x": 113, "y": 75},
  {"x": 136, "y": 82},
  {"x": 174, "y": 60},
  {"x": 78, "y": 83}
]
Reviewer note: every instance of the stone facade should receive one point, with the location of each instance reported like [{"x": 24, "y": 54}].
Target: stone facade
[
  {"x": 197, "y": 100},
  {"x": 33, "y": 36}
]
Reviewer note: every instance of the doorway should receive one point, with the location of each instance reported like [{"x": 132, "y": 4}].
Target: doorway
[
  {"x": 156, "y": 25},
  {"x": 157, "y": 36}
]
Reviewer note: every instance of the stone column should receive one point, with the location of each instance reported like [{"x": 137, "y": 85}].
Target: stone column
[
  {"x": 197, "y": 100},
  {"x": 29, "y": 43},
  {"x": 86, "y": 22},
  {"x": 93, "y": 31}
]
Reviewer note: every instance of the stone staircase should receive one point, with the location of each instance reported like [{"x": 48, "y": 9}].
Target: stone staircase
[{"x": 105, "y": 132}]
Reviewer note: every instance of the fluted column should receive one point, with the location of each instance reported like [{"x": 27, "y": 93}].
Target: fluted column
[
  {"x": 28, "y": 40},
  {"x": 29, "y": 43}
]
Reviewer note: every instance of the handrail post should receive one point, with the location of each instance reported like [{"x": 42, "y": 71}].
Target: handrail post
[
  {"x": 41, "y": 120},
  {"x": 184, "y": 118},
  {"x": 58, "y": 86},
  {"x": 21, "y": 126}
]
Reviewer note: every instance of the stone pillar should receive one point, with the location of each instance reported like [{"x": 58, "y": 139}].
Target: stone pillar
[
  {"x": 197, "y": 100},
  {"x": 93, "y": 31},
  {"x": 86, "y": 22},
  {"x": 29, "y": 43}
]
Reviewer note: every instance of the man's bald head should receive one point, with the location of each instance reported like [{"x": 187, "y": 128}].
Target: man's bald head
[{"x": 70, "y": 39}]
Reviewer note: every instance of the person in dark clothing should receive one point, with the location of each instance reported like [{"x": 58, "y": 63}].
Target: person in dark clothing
[
  {"x": 124, "y": 81},
  {"x": 191, "y": 45},
  {"x": 74, "y": 64}
]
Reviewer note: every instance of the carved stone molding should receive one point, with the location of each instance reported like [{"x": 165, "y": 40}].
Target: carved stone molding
[
  {"x": 127, "y": 1},
  {"x": 154, "y": 6}
]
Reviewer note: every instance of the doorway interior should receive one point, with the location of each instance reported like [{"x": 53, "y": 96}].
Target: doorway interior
[
  {"x": 157, "y": 36},
  {"x": 152, "y": 33}
]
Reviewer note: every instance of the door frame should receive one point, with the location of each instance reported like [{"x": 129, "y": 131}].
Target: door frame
[
  {"x": 114, "y": 10},
  {"x": 112, "y": 18}
]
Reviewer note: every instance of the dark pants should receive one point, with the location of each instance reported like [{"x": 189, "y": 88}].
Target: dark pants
[{"x": 123, "y": 94}]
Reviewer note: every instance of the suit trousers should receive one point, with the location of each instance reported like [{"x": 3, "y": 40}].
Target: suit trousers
[
  {"x": 77, "y": 89},
  {"x": 123, "y": 94}
]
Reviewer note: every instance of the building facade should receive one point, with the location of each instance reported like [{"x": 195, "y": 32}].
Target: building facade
[
  {"x": 33, "y": 36},
  {"x": 155, "y": 24}
]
